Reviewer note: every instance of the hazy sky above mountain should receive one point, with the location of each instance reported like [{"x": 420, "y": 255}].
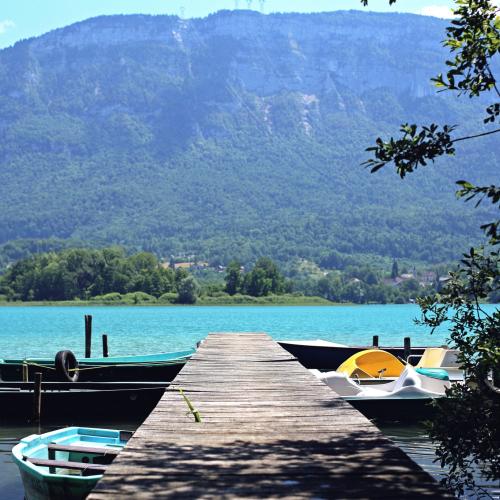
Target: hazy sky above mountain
[{"x": 26, "y": 18}]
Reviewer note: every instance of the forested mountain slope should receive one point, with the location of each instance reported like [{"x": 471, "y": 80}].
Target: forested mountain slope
[{"x": 236, "y": 135}]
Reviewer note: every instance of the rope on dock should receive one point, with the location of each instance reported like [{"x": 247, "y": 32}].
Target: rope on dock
[
  {"x": 98, "y": 367},
  {"x": 192, "y": 409}
]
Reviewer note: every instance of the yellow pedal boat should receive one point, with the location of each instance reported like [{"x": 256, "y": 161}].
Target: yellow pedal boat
[{"x": 372, "y": 363}]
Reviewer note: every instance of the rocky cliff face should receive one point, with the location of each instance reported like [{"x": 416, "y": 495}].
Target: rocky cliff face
[
  {"x": 232, "y": 128},
  {"x": 322, "y": 55}
]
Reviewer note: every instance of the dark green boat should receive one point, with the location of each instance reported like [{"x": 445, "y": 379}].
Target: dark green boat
[
  {"x": 151, "y": 368},
  {"x": 63, "y": 402}
]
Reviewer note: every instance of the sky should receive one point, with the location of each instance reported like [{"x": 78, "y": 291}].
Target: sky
[{"x": 27, "y": 18}]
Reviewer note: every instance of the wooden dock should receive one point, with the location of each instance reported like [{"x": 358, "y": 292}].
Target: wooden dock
[{"x": 269, "y": 429}]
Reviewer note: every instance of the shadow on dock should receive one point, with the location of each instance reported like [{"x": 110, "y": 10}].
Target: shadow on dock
[
  {"x": 352, "y": 466},
  {"x": 269, "y": 429}
]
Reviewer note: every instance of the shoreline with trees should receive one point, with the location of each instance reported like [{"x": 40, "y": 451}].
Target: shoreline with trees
[
  {"x": 82, "y": 276},
  {"x": 109, "y": 277}
]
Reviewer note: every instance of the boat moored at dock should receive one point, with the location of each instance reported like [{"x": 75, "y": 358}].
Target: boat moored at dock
[
  {"x": 84, "y": 401},
  {"x": 407, "y": 397},
  {"x": 325, "y": 355},
  {"x": 66, "y": 463},
  {"x": 161, "y": 367}
]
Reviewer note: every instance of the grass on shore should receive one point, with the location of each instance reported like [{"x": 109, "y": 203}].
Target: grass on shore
[
  {"x": 142, "y": 299},
  {"x": 285, "y": 300}
]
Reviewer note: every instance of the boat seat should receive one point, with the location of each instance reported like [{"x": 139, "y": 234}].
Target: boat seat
[
  {"x": 86, "y": 469},
  {"x": 53, "y": 447},
  {"x": 439, "y": 357},
  {"x": 437, "y": 373},
  {"x": 371, "y": 363}
]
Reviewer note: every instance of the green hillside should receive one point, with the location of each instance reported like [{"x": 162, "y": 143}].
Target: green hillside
[{"x": 238, "y": 135}]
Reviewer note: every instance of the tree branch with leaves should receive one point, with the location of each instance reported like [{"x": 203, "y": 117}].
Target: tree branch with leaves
[{"x": 466, "y": 429}]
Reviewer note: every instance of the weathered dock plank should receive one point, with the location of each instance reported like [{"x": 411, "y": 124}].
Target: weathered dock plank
[{"x": 269, "y": 429}]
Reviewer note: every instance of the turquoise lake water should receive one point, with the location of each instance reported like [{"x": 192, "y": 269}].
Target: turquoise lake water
[{"x": 42, "y": 331}]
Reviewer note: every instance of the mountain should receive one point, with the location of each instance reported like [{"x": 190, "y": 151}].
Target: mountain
[{"x": 236, "y": 135}]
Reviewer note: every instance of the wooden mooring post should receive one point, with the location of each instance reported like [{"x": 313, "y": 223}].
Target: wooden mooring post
[
  {"x": 105, "y": 352},
  {"x": 88, "y": 335},
  {"x": 375, "y": 341},
  {"x": 407, "y": 348},
  {"x": 268, "y": 428},
  {"x": 37, "y": 397}
]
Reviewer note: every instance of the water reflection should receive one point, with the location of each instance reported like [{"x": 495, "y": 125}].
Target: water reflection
[
  {"x": 414, "y": 440},
  {"x": 10, "y": 479}
]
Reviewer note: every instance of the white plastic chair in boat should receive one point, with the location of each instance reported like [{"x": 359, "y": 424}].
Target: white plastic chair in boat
[{"x": 440, "y": 357}]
